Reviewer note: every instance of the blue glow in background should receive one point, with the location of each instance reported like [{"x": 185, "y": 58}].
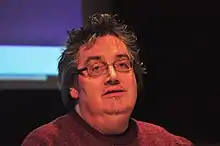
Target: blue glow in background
[
  {"x": 29, "y": 60},
  {"x": 33, "y": 34}
]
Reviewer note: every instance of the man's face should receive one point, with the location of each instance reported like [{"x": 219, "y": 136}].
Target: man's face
[{"x": 93, "y": 91}]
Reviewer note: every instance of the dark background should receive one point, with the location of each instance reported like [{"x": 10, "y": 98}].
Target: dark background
[{"x": 179, "y": 43}]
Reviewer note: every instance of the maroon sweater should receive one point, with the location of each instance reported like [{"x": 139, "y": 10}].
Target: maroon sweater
[{"x": 72, "y": 130}]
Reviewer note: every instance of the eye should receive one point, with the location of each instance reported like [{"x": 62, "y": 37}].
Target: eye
[
  {"x": 95, "y": 67},
  {"x": 123, "y": 64}
]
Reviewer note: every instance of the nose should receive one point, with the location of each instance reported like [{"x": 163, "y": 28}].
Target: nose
[
  {"x": 112, "y": 73},
  {"x": 112, "y": 76}
]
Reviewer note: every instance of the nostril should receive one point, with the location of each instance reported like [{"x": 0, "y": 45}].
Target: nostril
[{"x": 112, "y": 82}]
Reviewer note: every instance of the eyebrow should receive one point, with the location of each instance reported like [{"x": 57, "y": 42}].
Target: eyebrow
[
  {"x": 92, "y": 58},
  {"x": 118, "y": 56}
]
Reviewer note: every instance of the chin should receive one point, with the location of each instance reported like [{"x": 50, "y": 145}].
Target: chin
[
  {"x": 119, "y": 111},
  {"x": 118, "y": 117},
  {"x": 116, "y": 130}
]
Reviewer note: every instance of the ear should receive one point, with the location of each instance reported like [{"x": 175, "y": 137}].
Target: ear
[{"x": 74, "y": 93}]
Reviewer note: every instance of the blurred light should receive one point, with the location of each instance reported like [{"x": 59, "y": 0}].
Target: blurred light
[{"x": 28, "y": 61}]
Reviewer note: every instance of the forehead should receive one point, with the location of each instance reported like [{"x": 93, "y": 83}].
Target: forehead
[{"x": 107, "y": 47}]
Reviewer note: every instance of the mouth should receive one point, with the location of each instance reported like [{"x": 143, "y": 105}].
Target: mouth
[{"x": 113, "y": 92}]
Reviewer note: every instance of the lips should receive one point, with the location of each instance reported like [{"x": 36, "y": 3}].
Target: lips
[{"x": 113, "y": 91}]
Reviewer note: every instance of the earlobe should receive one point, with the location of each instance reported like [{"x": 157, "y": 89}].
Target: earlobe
[{"x": 74, "y": 93}]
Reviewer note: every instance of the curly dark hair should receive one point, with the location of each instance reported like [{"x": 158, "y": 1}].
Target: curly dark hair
[{"x": 98, "y": 25}]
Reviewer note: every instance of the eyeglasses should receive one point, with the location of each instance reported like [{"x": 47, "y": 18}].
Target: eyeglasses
[{"x": 101, "y": 67}]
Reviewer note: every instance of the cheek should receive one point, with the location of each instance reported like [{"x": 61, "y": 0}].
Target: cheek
[
  {"x": 134, "y": 81},
  {"x": 130, "y": 80},
  {"x": 134, "y": 85},
  {"x": 90, "y": 88},
  {"x": 130, "y": 83}
]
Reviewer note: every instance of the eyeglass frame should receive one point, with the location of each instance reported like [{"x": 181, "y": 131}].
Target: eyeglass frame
[{"x": 79, "y": 71}]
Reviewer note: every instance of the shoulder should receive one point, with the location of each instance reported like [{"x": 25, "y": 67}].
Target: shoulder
[
  {"x": 158, "y": 134},
  {"x": 46, "y": 134}
]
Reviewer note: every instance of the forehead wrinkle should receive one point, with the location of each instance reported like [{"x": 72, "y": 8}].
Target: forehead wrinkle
[
  {"x": 107, "y": 44},
  {"x": 114, "y": 42}
]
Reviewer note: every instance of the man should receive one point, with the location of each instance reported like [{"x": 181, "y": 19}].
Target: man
[{"x": 99, "y": 74}]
